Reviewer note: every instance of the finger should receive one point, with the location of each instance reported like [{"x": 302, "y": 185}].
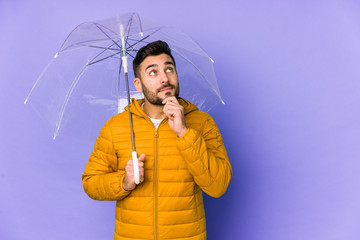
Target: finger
[
  {"x": 170, "y": 99},
  {"x": 129, "y": 168},
  {"x": 142, "y": 157},
  {"x": 167, "y": 109},
  {"x": 141, "y": 167},
  {"x": 167, "y": 113},
  {"x": 170, "y": 113},
  {"x": 173, "y": 105},
  {"x": 141, "y": 175},
  {"x": 174, "y": 108}
]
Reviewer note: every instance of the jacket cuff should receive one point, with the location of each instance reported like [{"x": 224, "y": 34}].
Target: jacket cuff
[
  {"x": 188, "y": 139},
  {"x": 122, "y": 187}
]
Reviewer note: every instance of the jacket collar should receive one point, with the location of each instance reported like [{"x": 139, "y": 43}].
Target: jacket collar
[{"x": 135, "y": 106}]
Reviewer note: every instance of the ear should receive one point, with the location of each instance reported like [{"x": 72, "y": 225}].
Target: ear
[{"x": 138, "y": 86}]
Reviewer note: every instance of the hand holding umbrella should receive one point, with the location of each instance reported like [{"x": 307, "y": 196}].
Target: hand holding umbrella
[{"x": 129, "y": 182}]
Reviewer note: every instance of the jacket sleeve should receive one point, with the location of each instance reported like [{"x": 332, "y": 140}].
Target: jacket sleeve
[
  {"x": 206, "y": 158},
  {"x": 102, "y": 180}
]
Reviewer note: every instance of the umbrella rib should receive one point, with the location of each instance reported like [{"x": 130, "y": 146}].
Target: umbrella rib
[
  {"x": 102, "y": 59},
  {"x": 127, "y": 34},
  {"x": 107, "y": 48},
  {"x": 142, "y": 40},
  {"x": 97, "y": 25},
  {"x": 81, "y": 44},
  {"x": 130, "y": 54},
  {"x": 72, "y": 87},
  {"x": 37, "y": 80},
  {"x": 188, "y": 60},
  {"x": 138, "y": 41}
]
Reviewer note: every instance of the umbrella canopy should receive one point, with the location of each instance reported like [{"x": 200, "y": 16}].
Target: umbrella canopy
[{"x": 84, "y": 84}]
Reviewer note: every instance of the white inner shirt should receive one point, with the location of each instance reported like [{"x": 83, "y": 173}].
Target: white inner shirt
[{"x": 156, "y": 122}]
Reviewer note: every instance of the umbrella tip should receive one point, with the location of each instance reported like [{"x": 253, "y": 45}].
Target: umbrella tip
[
  {"x": 141, "y": 34},
  {"x": 56, "y": 55},
  {"x": 211, "y": 60},
  {"x": 25, "y": 101},
  {"x": 56, "y": 132}
]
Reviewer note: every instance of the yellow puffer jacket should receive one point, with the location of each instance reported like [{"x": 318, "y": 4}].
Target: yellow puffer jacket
[{"x": 168, "y": 204}]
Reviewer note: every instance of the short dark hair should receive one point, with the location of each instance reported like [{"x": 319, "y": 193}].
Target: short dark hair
[{"x": 152, "y": 49}]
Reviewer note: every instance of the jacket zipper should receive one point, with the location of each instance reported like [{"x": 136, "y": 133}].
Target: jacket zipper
[{"x": 155, "y": 185}]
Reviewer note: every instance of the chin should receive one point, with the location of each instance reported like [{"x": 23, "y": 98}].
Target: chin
[{"x": 167, "y": 94}]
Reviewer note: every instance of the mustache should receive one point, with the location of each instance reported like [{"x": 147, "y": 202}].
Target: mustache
[{"x": 166, "y": 86}]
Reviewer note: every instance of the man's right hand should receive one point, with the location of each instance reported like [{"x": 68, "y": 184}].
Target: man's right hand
[{"x": 129, "y": 179}]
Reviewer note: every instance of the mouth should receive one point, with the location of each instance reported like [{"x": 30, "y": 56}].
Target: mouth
[{"x": 165, "y": 89}]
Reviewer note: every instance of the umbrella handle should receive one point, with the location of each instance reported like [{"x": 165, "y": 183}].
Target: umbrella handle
[{"x": 136, "y": 167}]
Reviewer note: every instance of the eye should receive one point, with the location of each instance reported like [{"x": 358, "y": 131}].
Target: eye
[
  {"x": 169, "y": 70},
  {"x": 152, "y": 73}
]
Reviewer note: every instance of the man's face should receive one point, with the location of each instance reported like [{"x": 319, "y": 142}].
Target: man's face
[{"x": 158, "y": 79}]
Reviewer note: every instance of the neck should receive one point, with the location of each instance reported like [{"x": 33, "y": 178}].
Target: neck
[{"x": 153, "y": 111}]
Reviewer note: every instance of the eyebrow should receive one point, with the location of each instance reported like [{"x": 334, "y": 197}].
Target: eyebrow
[{"x": 155, "y": 65}]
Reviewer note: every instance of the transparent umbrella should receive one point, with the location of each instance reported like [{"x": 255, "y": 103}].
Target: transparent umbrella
[{"x": 87, "y": 81}]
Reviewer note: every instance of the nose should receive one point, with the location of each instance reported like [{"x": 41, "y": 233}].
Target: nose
[{"x": 164, "y": 78}]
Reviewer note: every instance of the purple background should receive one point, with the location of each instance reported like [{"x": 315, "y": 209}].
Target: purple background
[{"x": 289, "y": 74}]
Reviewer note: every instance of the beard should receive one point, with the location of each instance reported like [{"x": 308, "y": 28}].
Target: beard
[{"x": 153, "y": 98}]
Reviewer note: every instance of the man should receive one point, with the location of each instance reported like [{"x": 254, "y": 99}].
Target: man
[{"x": 181, "y": 155}]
